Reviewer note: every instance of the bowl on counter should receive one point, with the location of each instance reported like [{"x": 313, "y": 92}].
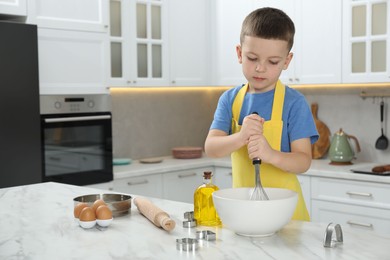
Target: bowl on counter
[
  {"x": 187, "y": 152},
  {"x": 119, "y": 204},
  {"x": 255, "y": 217}
]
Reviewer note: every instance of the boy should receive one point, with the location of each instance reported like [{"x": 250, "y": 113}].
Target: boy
[{"x": 283, "y": 131}]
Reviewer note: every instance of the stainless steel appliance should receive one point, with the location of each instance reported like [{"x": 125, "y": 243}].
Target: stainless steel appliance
[
  {"x": 20, "y": 143},
  {"x": 76, "y": 138}
]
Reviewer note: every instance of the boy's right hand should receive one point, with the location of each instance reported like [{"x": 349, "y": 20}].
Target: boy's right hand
[{"x": 251, "y": 125}]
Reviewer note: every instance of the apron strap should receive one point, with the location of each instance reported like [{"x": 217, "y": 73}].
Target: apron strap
[
  {"x": 237, "y": 104},
  {"x": 277, "y": 107}
]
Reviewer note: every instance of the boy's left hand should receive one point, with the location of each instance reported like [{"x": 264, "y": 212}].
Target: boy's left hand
[{"x": 258, "y": 147}]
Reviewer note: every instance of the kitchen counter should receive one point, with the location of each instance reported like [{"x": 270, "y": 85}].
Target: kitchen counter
[
  {"x": 168, "y": 164},
  {"x": 37, "y": 223},
  {"x": 319, "y": 168}
]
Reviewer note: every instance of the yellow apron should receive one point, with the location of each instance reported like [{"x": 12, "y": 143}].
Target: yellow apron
[{"x": 243, "y": 169}]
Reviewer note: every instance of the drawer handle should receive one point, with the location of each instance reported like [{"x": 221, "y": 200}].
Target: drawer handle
[
  {"x": 137, "y": 182},
  {"x": 354, "y": 223},
  {"x": 186, "y": 175},
  {"x": 363, "y": 194}
]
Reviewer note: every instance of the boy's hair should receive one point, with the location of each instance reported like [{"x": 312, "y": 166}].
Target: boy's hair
[{"x": 268, "y": 23}]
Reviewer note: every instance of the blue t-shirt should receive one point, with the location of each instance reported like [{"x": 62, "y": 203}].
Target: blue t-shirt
[{"x": 297, "y": 119}]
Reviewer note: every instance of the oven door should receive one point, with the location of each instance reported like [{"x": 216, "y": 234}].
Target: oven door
[{"x": 77, "y": 148}]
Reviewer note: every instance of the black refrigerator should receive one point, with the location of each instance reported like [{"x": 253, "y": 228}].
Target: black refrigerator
[{"x": 20, "y": 137}]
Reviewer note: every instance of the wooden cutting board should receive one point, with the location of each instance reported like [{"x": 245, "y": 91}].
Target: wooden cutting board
[{"x": 320, "y": 148}]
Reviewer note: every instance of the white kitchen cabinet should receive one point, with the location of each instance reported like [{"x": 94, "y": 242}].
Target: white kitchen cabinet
[
  {"x": 226, "y": 27},
  {"x": 181, "y": 185},
  {"x": 304, "y": 181},
  {"x": 189, "y": 40},
  {"x": 366, "y": 41},
  {"x": 358, "y": 217},
  {"x": 139, "y": 43},
  {"x": 73, "y": 45},
  {"x": 13, "y": 7},
  {"x": 86, "y": 15},
  {"x": 72, "y": 62},
  {"x": 148, "y": 185},
  {"x": 151, "y": 47},
  {"x": 222, "y": 177},
  {"x": 358, "y": 204},
  {"x": 321, "y": 38},
  {"x": 311, "y": 39}
]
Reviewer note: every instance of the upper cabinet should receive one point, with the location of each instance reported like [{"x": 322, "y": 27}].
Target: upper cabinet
[
  {"x": 73, "y": 45},
  {"x": 72, "y": 62},
  {"x": 85, "y": 15},
  {"x": 189, "y": 41},
  {"x": 226, "y": 27},
  {"x": 13, "y": 7},
  {"x": 366, "y": 41},
  {"x": 87, "y": 46},
  {"x": 138, "y": 43},
  {"x": 157, "y": 42},
  {"x": 321, "y": 38},
  {"x": 317, "y": 51}
]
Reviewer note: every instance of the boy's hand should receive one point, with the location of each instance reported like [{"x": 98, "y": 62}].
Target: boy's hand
[
  {"x": 251, "y": 125},
  {"x": 258, "y": 147}
]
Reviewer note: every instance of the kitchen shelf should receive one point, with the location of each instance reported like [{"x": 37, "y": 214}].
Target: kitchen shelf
[
  {"x": 373, "y": 89},
  {"x": 364, "y": 95}
]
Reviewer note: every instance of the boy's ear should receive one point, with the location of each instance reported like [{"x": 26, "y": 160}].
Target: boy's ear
[
  {"x": 239, "y": 53},
  {"x": 288, "y": 60}
]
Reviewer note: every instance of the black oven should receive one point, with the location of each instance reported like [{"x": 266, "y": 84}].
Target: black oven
[{"x": 76, "y": 138}]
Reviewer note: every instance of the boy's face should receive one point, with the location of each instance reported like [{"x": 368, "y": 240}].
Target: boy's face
[{"x": 263, "y": 61}]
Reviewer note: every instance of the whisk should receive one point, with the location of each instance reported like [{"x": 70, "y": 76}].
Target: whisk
[{"x": 258, "y": 192}]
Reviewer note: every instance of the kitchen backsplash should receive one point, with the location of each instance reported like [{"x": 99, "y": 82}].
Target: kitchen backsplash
[
  {"x": 358, "y": 117},
  {"x": 150, "y": 122}
]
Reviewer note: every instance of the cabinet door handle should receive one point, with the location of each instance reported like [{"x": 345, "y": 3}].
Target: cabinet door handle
[
  {"x": 229, "y": 174},
  {"x": 186, "y": 175},
  {"x": 355, "y": 223},
  {"x": 356, "y": 193},
  {"x": 137, "y": 182}
]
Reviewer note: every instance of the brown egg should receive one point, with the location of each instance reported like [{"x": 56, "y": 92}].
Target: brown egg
[
  {"x": 103, "y": 212},
  {"x": 87, "y": 214},
  {"x": 96, "y": 204},
  {"x": 78, "y": 208}
]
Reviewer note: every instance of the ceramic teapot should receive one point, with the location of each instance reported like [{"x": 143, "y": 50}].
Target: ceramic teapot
[{"x": 340, "y": 150}]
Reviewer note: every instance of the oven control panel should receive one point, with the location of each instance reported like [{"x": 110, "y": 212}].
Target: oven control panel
[{"x": 67, "y": 104}]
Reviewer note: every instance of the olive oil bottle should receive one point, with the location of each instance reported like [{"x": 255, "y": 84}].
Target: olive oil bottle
[{"x": 204, "y": 210}]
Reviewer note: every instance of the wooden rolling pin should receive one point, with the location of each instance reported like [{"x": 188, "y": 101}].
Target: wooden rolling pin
[{"x": 157, "y": 216}]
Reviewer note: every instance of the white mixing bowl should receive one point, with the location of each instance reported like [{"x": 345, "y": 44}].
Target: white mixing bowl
[{"x": 255, "y": 218}]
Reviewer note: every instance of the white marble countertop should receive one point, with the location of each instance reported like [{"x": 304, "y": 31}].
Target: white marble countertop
[
  {"x": 319, "y": 168},
  {"x": 37, "y": 223}
]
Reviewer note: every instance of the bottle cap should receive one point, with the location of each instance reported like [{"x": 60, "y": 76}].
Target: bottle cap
[{"x": 207, "y": 175}]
